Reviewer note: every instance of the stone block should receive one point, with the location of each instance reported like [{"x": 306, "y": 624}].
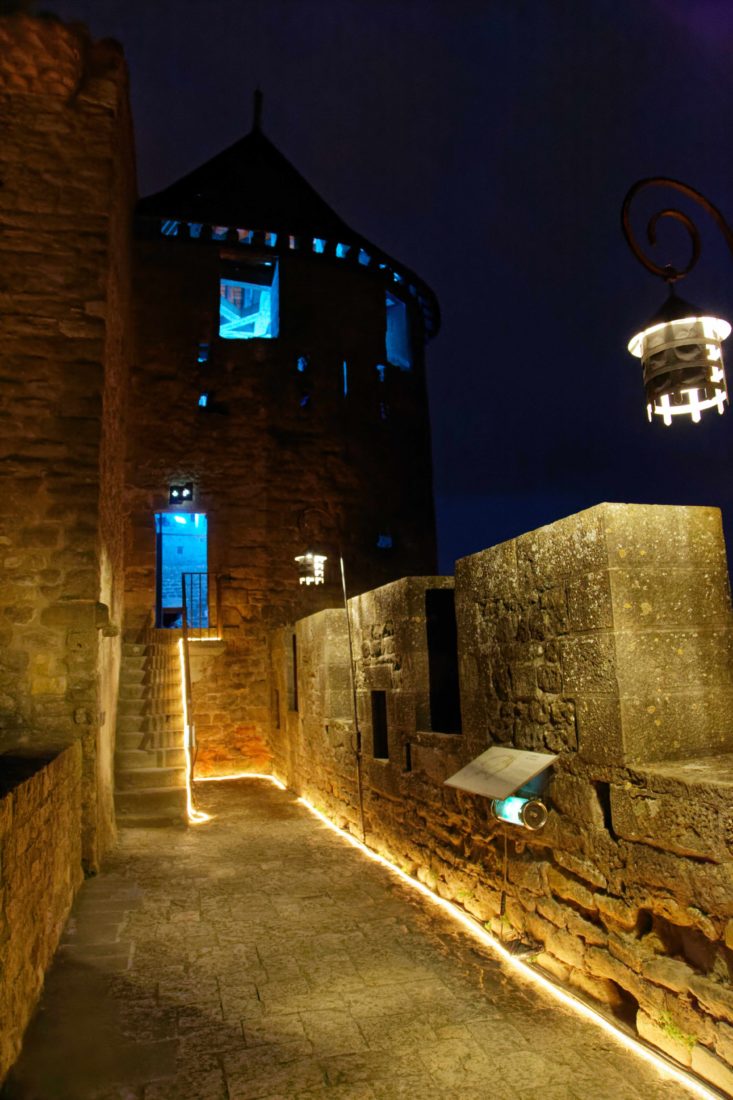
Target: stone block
[
  {"x": 663, "y": 1037},
  {"x": 674, "y": 725},
  {"x": 715, "y": 998},
  {"x": 654, "y": 535},
  {"x": 569, "y": 547},
  {"x": 600, "y": 728},
  {"x": 589, "y": 602},
  {"x": 668, "y": 597},
  {"x": 576, "y": 798},
  {"x": 589, "y": 665},
  {"x": 565, "y": 886},
  {"x": 671, "y": 973},
  {"x": 712, "y": 1069},
  {"x": 685, "y": 826}
]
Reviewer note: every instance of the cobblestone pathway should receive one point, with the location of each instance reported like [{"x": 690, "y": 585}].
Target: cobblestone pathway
[{"x": 260, "y": 957}]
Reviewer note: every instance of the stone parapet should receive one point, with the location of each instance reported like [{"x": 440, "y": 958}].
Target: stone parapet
[
  {"x": 608, "y": 632},
  {"x": 40, "y": 857},
  {"x": 625, "y": 894}
]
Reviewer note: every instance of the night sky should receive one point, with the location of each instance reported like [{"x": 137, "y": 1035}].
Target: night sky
[{"x": 487, "y": 145}]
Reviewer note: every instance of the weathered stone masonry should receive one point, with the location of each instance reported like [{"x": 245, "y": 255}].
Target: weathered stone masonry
[
  {"x": 66, "y": 200},
  {"x": 40, "y": 857},
  {"x": 604, "y": 637}
]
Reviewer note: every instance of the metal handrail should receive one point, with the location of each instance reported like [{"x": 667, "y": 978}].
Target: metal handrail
[{"x": 198, "y": 625}]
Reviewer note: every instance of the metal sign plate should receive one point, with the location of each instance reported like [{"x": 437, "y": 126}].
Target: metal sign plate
[{"x": 500, "y": 771}]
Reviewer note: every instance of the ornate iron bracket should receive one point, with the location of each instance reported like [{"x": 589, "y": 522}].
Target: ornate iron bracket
[{"x": 669, "y": 273}]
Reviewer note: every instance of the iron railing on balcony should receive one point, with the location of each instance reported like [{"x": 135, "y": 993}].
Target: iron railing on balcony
[{"x": 201, "y": 606}]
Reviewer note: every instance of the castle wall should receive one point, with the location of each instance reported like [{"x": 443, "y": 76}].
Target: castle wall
[
  {"x": 66, "y": 162},
  {"x": 280, "y": 458},
  {"x": 583, "y": 638},
  {"x": 40, "y": 855}
]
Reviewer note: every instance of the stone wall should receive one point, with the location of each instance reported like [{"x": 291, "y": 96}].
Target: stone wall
[
  {"x": 66, "y": 165},
  {"x": 40, "y": 858},
  {"x": 584, "y": 638}
]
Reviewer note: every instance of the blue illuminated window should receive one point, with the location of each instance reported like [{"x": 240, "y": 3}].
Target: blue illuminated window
[
  {"x": 302, "y": 364},
  {"x": 169, "y": 229},
  {"x": 381, "y": 371},
  {"x": 203, "y": 400},
  {"x": 203, "y": 355},
  {"x": 346, "y": 377},
  {"x": 342, "y": 250},
  {"x": 384, "y": 542},
  {"x": 364, "y": 257},
  {"x": 399, "y": 352},
  {"x": 248, "y": 302},
  {"x": 319, "y": 245}
]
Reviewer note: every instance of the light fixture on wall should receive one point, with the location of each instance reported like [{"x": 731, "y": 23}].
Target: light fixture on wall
[
  {"x": 530, "y": 813},
  {"x": 680, "y": 347},
  {"x": 311, "y": 567},
  {"x": 180, "y": 494}
]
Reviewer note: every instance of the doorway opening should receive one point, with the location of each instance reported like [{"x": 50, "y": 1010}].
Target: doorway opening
[{"x": 180, "y": 543}]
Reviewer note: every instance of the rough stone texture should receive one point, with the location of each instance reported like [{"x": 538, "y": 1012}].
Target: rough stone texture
[
  {"x": 608, "y": 632},
  {"x": 627, "y": 893},
  {"x": 40, "y": 861},
  {"x": 65, "y": 207},
  {"x": 260, "y": 956},
  {"x": 272, "y": 475}
]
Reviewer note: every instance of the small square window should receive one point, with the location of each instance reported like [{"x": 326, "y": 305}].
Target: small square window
[{"x": 248, "y": 301}]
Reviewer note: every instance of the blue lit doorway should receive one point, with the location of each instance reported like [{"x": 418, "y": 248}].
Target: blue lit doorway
[{"x": 181, "y": 547}]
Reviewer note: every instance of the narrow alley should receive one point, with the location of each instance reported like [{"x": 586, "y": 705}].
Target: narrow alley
[{"x": 259, "y": 957}]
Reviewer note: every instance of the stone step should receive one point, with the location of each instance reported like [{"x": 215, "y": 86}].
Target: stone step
[
  {"x": 155, "y": 708},
  {"x": 152, "y": 800},
  {"x": 161, "y": 820},
  {"x": 148, "y": 741},
  {"x": 154, "y": 723},
  {"x": 130, "y": 675},
  {"x": 157, "y": 757},
  {"x": 151, "y": 777},
  {"x": 133, "y": 649}
]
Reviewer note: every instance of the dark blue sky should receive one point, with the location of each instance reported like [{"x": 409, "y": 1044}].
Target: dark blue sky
[{"x": 488, "y": 145}]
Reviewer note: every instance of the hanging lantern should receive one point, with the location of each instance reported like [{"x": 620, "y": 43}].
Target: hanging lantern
[
  {"x": 682, "y": 361},
  {"x": 311, "y": 567}
]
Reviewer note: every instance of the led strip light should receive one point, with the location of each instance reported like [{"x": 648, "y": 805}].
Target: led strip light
[
  {"x": 663, "y": 1067},
  {"x": 528, "y": 973}
]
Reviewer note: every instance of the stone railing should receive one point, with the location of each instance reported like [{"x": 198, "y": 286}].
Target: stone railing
[
  {"x": 605, "y": 638},
  {"x": 40, "y": 872}
]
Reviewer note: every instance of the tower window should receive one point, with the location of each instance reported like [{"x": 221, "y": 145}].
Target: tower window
[
  {"x": 399, "y": 352},
  {"x": 248, "y": 301}
]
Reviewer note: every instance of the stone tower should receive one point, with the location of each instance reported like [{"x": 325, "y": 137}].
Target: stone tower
[{"x": 279, "y": 388}]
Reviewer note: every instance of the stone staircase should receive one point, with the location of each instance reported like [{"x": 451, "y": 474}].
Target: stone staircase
[{"x": 150, "y": 775}]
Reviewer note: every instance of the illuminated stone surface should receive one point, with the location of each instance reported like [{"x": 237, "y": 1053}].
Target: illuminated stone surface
[
  {"x": 68, "y": 186},
  {"x": 261, "y": 957},
  {"x": 604, "y": 637},
  {"x": 40, "y": 871}
]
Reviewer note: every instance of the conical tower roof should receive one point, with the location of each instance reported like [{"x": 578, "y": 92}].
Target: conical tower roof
[{"x": 252, "y": 185}]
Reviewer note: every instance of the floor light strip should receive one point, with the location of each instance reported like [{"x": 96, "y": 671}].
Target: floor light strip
[
  {"x": 195, "y": 817},
  {"x": 240, "y": 775},
  {"x": 663, "y": 1067}
]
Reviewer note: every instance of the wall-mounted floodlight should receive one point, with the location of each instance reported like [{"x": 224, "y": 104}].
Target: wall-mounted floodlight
[
  {"x": 512, "y": 779},
  {"x": 680, "y": 347},
  {"x": 311, "y": 567},
  {"x": 180, "y": 494},
  {"x": 530, "y": 813}
]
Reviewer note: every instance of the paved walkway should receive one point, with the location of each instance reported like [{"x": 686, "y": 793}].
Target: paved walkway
[{"x": 260, "y": 957}]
